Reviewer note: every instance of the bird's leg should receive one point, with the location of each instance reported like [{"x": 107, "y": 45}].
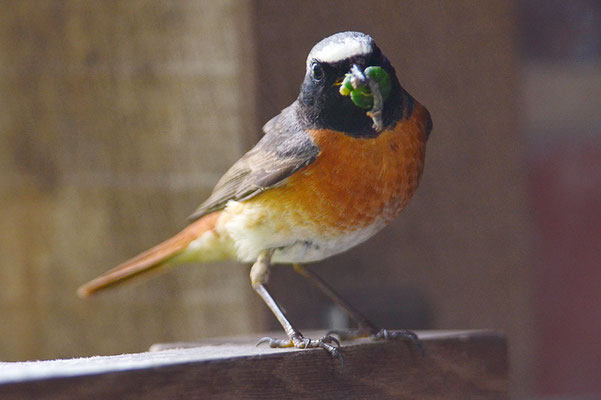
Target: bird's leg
[
  {"x": 365, "y": 326},
  {"x": 259, "y": 275}
]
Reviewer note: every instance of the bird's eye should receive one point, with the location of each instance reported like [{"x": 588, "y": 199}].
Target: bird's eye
[{"x": 316, "y": 71}]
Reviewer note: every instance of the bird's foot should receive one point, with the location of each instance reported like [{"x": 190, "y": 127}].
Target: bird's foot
[
  {"x": 403, "y": 334},
  {"x": 381, "y": 334},
  {"x": 327, "y": 342}
]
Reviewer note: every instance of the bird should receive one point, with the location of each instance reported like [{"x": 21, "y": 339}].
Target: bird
[{"x": 330, "y": 171}]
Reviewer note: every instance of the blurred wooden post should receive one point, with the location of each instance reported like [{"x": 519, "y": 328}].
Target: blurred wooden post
[
  {"x": 116, "y": 120},
  {"x": 457, "y": 365}
]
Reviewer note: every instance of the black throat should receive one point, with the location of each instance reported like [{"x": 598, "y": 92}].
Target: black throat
[{"x": 330, "y": 110}]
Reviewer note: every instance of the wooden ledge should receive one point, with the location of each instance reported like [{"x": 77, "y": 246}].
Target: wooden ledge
[{"x": 457, "y": 365}]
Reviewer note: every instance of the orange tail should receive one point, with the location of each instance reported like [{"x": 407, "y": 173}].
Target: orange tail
[{"x": 151, "y": 259}]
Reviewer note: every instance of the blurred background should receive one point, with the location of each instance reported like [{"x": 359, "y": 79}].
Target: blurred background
[{"x": 117, "y": 118}]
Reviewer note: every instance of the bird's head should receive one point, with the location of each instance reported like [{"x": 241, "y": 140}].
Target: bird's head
[{"x": 344, "y": 72}]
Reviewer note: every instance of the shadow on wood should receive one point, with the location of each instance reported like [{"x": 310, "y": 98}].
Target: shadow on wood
[{"x": 457, "y": 365}]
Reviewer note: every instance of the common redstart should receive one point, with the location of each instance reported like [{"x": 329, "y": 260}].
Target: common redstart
[{"x": 331, "y": 170}]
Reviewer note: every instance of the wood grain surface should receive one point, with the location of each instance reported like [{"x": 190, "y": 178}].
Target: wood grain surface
[{"x": 457, "y": 365}]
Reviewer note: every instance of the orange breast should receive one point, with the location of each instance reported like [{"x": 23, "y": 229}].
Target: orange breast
[{"x": 354, "y": 181}]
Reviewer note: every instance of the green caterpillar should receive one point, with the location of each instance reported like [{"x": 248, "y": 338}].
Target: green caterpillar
[{"x": 361, "y": 95}]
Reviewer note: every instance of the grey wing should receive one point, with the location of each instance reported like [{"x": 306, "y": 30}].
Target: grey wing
[{"x": 280, "y": 153}]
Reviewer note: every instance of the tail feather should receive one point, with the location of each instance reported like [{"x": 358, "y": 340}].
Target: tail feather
[{"x": 151, "y": 259}]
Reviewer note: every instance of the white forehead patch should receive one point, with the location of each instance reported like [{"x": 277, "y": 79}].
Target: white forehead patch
[{"x": 341, "y": 46}]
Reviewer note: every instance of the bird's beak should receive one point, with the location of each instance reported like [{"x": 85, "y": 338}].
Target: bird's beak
[
  {"x": 358, "y": 73},
  {"x": 358, "y": 77}
]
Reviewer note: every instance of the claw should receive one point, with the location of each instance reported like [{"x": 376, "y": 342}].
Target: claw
[
  {"x": 340, "y": 358},
  {"x": 381, "y": 334},
  {"x": 334, "y": 352},
  {"x": 275, "y": 343},
  {"x": 330, "y": 339},
  {"x": 384, "y": 334},
  {"x": 328, "y": 343},
  {"x": 263, "y": 340}
]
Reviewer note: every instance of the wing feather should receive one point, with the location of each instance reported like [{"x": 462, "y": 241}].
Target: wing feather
[{"x": 284, "y": 149}]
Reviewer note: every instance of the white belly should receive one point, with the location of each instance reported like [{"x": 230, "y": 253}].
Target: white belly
[{"x": 253, "y": 229}]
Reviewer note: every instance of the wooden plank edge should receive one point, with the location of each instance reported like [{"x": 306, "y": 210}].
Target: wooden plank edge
[{"x": 456, "y": 364}]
